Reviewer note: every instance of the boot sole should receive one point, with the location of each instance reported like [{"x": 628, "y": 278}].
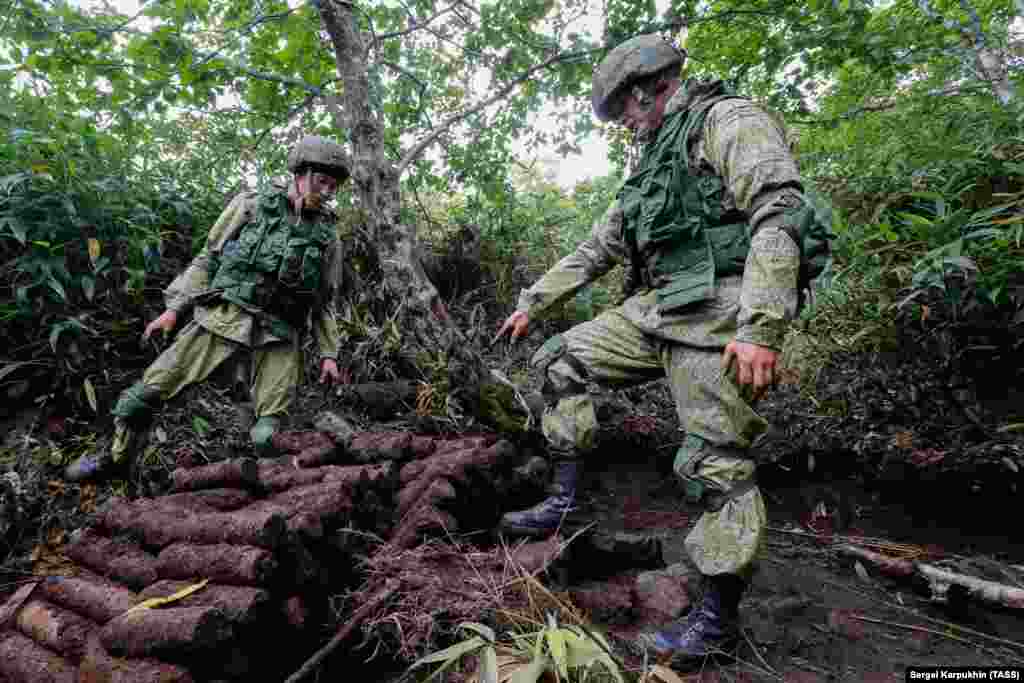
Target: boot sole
[
  {"x": 532, "y": 532},
  {"x": 685, "y": 663}
]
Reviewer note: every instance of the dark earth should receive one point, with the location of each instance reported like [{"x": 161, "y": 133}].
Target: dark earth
[{"x": 899, "y": 449}]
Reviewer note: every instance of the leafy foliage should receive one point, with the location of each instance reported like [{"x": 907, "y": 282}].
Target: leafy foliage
[{"x": 566, "y": 652}]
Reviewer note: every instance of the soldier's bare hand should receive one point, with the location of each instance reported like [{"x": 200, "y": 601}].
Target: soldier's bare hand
[
  {"x": 755, "y": 366},
  {"x": 329, "y": 373},
  {"x": 165, "y": 323},
  {"x": 439, "y": 309},
  {"x": 517, "y": 323}
]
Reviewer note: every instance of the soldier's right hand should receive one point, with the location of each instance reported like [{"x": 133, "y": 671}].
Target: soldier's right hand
[
  {"x": 166, "y": 322},
  {"x": 517, "y": 323}
]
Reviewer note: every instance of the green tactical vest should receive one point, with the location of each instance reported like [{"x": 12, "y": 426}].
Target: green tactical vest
[
  {"x": 273, "y": 267},
  {"x": 680, "y": 236}
]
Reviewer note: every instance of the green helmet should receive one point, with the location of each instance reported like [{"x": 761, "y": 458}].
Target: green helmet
[
  {"x": 319, "y": 154},
  {"x": 634, "y": 59}
]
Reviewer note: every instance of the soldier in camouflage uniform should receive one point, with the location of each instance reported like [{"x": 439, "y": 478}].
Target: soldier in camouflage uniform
[
  {"x": 270, "y": 263},
  {"x": 706, "y": 219}
]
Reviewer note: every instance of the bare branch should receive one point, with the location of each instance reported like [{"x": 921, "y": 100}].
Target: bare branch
[
  {"x": 416, "y": 24},
  {"x": 501, "y": 94}
]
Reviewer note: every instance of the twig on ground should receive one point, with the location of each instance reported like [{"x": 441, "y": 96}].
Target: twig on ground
[{"x": 355, "y": 620}]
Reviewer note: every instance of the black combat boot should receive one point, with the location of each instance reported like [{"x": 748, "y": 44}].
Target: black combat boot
[
  {"x": 546, "y": 516},
  {"x": 711, "y": 628}
]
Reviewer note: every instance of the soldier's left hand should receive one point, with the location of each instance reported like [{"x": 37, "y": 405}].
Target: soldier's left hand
[
  {"x": 755, "y": 366},
  {"x": 329, "y": 373}
]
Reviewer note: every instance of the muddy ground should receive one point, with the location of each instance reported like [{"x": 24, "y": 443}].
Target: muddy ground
[{"x": 891, "y": 446}]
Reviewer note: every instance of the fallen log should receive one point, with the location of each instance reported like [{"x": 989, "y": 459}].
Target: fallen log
[
  {"x": 56, "y": 628},
  {"x": 98, "y": 666},
  {"x": 220, "y": 563},
  {"x": 981, "y": 589},
  {"x": 891, "y": 566},
  {"x": 22, "y": 661},
  {"x": 119, "y": 560},
  {"x": 96, "y": 599},
  {"x": 940, "y": 579},
  {"x": 160, "y": 526},
  {"x": 240, "y": 604},
  {"x": 169, "y": 631},
  {"x": 236, "y": 473}
]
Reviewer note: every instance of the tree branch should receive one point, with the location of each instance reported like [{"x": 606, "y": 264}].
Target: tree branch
[
  {"x": 501, "y": 94},
  {"x": 416, "y": 25}
]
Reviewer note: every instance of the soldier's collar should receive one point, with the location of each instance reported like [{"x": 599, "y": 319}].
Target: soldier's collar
[{"x": 690, "y": 92}]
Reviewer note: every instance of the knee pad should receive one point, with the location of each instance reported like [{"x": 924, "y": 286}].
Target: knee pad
[
  {"x": 262, "y": 434},
  {"x": 136, "y": 404},
  {"x": 564, "y": 374},
  {"x": 730, "y": 477}
]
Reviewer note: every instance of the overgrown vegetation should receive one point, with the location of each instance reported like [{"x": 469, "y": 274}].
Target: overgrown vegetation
[{"x": 122, "y": 140}]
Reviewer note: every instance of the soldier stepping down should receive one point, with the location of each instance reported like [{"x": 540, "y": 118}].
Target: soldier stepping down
[
  {"x": 721, "y": 239},
  {"x": 270, "y": 263}
]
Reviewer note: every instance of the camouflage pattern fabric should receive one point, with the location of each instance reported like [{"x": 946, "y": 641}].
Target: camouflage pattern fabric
[
  {"x": 636, "y": 342},
  {"x": 192, "y": 289},
  {"x": 275, "y": 371}
]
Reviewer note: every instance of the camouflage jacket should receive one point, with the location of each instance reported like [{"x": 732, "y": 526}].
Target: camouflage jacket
[
  {"x": 192, "y": 289},
  {"x": 747, "y": 149}
]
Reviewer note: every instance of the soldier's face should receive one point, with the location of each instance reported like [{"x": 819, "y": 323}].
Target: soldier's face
[
  {"x": 642, "y": 115},
  {"x": 314, "y": 188}
]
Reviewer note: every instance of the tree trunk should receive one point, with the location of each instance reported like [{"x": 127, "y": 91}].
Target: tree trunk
[{"x": 402, "y": 288}]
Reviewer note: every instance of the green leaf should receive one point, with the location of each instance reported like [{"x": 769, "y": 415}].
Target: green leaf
[
  {"x": 88, "y": 287},
  {"x": 482, "y": 629},
  {"x": 555, "y": 639},
  {"x": 531, "y": 673},
  {"x": 452, "y": 653},
  {"x": 57, "y": 287},
  {"x": 200, "y": 425},
  {"x": 90, "y": 395},
  {"x": 488, "y": 665},
  {"x": 17, "y": 228}
]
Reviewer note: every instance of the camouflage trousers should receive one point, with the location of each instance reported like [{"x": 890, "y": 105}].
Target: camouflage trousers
[
  {"x": 275, "y": 372},
  {"x": 634, "y": 344}
]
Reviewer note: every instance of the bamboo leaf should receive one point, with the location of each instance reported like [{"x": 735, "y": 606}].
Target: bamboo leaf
[
  {"x": 452, "y": 653},
  {"x": 531, "y": 672},
  {"x": 488, "y": 665},
  {"x": 480, "y": 629},
  {"x": 153, "y": 603},
  {"x": 555, "y": 638},
  {"x": 90, "y": 395},
  {"x": 94, "y": 250}
]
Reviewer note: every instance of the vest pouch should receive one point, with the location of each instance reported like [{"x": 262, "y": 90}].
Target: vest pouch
[
  {"x": 291, "y": 272},
  {"x": 729, "y": 245},
  {"x": 311, "y": 262},
  {"x": 692, "y": 282}
]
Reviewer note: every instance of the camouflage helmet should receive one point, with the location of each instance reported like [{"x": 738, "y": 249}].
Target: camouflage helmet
[
  {"x": 634, "y": 59},
  {"x": 319, "y": 154}
]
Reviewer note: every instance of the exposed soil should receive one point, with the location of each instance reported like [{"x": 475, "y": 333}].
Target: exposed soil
[{"x": 884, "y": 446}]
